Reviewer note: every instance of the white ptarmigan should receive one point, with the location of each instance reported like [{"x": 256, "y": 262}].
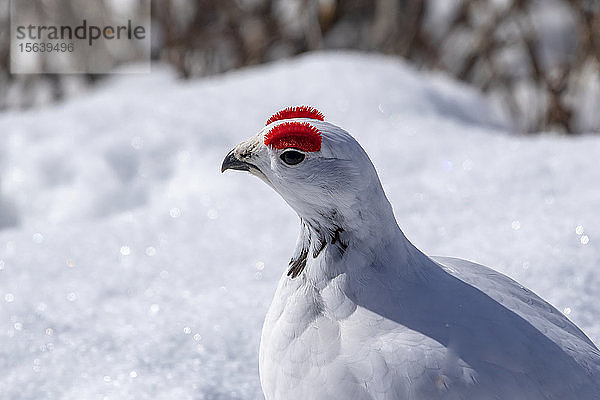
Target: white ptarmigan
[{"x": 363, "y": 314}]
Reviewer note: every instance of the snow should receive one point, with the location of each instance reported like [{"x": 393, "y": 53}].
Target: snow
[{"x": 130, "y": 268}]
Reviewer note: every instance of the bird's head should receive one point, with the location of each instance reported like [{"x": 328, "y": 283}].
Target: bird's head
[{"x": 318, "y": 168}]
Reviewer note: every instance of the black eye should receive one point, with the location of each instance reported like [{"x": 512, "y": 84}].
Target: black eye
[{"x": 292, "y": 157}]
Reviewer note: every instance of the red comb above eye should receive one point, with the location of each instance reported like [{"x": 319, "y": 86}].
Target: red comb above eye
[
  {"x": 299, "y": 135},
  {"x": 296, "y": 112}
]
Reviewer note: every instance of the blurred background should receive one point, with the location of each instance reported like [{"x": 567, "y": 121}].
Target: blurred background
[{"x": 539, "y": 60}]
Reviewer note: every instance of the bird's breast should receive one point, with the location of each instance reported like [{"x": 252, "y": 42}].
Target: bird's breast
[
  {"x": 299, "y": 338},
  {"x": 311, "y": 340}
]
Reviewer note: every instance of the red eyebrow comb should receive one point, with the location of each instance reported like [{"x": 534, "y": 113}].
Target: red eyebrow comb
[
  {"x": 296, "y": 112},
  {"x": 299, "y": 135}
]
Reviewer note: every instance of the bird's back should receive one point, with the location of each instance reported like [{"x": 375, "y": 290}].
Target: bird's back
[
  {"x": 542, "y": 348},
  {"x": 464, "y": 331}
]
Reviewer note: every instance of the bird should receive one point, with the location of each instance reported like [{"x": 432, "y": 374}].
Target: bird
[{"x": 361, "y": 313}]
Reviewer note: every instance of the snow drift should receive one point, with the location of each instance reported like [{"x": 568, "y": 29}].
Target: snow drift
[{"x": 131, "y": 269}]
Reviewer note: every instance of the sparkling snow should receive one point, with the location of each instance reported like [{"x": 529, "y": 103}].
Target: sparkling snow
[{"x": 130, "y": 268}]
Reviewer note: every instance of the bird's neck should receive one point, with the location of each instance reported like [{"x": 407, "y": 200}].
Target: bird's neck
[{"x": 364, "y": 238}]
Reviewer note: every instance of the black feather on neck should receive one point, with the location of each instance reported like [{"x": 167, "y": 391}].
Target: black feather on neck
[{"x": 312, "y": 237}]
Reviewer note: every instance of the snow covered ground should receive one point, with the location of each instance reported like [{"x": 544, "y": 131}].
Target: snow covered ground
[{"x": 130, "y": 268}]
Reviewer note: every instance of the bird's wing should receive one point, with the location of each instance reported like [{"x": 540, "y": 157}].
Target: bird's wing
[
  {"x": 519, "y": 348},
  {"x": 522, "y": 301},
  {"x": 464, "y": 331}
]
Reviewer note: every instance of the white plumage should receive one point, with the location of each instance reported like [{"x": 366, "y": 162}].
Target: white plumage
[{"x": 363, "y": 314}]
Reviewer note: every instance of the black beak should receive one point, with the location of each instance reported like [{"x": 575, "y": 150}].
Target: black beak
[{"x": 232, "y": 162}]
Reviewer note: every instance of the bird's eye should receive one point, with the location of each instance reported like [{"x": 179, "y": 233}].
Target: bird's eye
[{"x": 292, "y": 157}]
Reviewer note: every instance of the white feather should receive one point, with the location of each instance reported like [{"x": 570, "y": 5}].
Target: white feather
[{"x": 372, "y": 317}]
